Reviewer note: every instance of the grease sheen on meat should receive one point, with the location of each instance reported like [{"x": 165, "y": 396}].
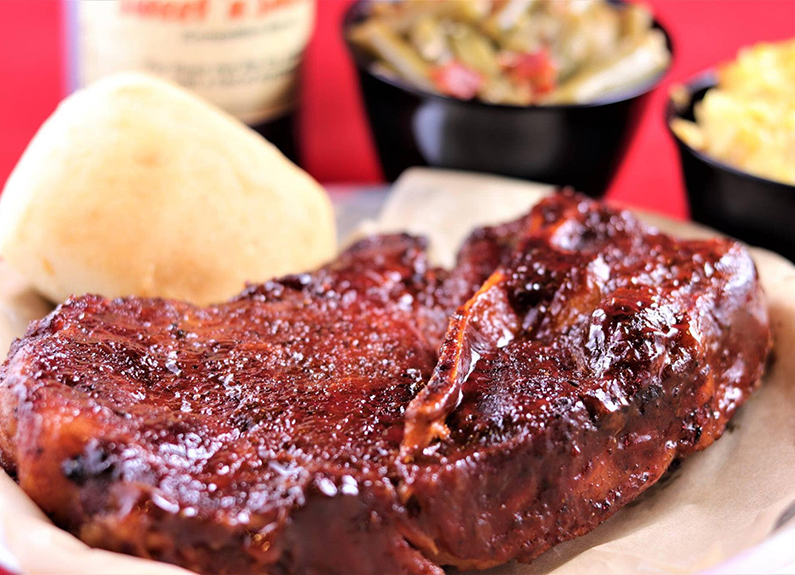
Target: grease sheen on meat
[
  {"x": 266, "y": 434},
  {"x": 568, "y": 384},
  {"x": 246, "y": 437}
]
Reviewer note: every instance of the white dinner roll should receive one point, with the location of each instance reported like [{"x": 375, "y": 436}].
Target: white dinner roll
[{"x": 135, "y": 186}]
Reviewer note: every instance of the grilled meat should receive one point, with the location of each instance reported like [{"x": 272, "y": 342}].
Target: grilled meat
[
  {"x": 247, "y": 437},
  {"x": 567, "y": 385},
  {"x": 291, "y": 430}
]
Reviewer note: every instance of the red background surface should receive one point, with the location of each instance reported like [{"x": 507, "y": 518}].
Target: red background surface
[{"x": 336, "y": 143}]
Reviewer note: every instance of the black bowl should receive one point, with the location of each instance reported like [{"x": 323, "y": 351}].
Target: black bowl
[
  {"x": 579, "y": 145},
  {"x": 754, "y": 209}
]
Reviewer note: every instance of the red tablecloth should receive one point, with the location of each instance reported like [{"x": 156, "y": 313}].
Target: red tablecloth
[{"x": 335, "y": 138}]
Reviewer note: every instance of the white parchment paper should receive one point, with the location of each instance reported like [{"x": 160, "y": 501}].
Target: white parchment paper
[{"x": 724, "y": 510}]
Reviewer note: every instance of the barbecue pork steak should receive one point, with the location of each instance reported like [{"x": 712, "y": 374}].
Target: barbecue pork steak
[
  {"x": 311, "y": 425},
  {"x": 255, "y": 436},
  {"x": 577, "y": 374}
]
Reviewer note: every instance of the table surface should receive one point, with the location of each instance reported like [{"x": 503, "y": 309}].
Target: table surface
[{"x": 335, "y": 140}]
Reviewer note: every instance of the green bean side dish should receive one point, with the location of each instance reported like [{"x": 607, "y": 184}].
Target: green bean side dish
[{"x": 514, "y": 52}]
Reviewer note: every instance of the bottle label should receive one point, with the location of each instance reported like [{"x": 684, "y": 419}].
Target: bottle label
[{"x": 242, "y": 55}]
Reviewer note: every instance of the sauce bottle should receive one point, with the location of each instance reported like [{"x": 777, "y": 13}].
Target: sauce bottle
[{"x": 242, "y": 55}]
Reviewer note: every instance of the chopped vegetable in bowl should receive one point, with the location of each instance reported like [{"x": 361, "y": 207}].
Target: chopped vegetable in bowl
[{"x": 514, "y": 52}]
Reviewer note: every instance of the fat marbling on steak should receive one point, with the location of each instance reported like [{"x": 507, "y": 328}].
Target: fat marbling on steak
[{"x": 266, "y": 434}]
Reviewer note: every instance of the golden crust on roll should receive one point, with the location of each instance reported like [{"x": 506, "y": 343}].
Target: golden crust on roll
[{"x": 134, "y": 186}]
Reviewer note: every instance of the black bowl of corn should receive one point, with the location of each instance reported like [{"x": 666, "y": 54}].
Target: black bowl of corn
[{"x": 545, "y": 91}]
